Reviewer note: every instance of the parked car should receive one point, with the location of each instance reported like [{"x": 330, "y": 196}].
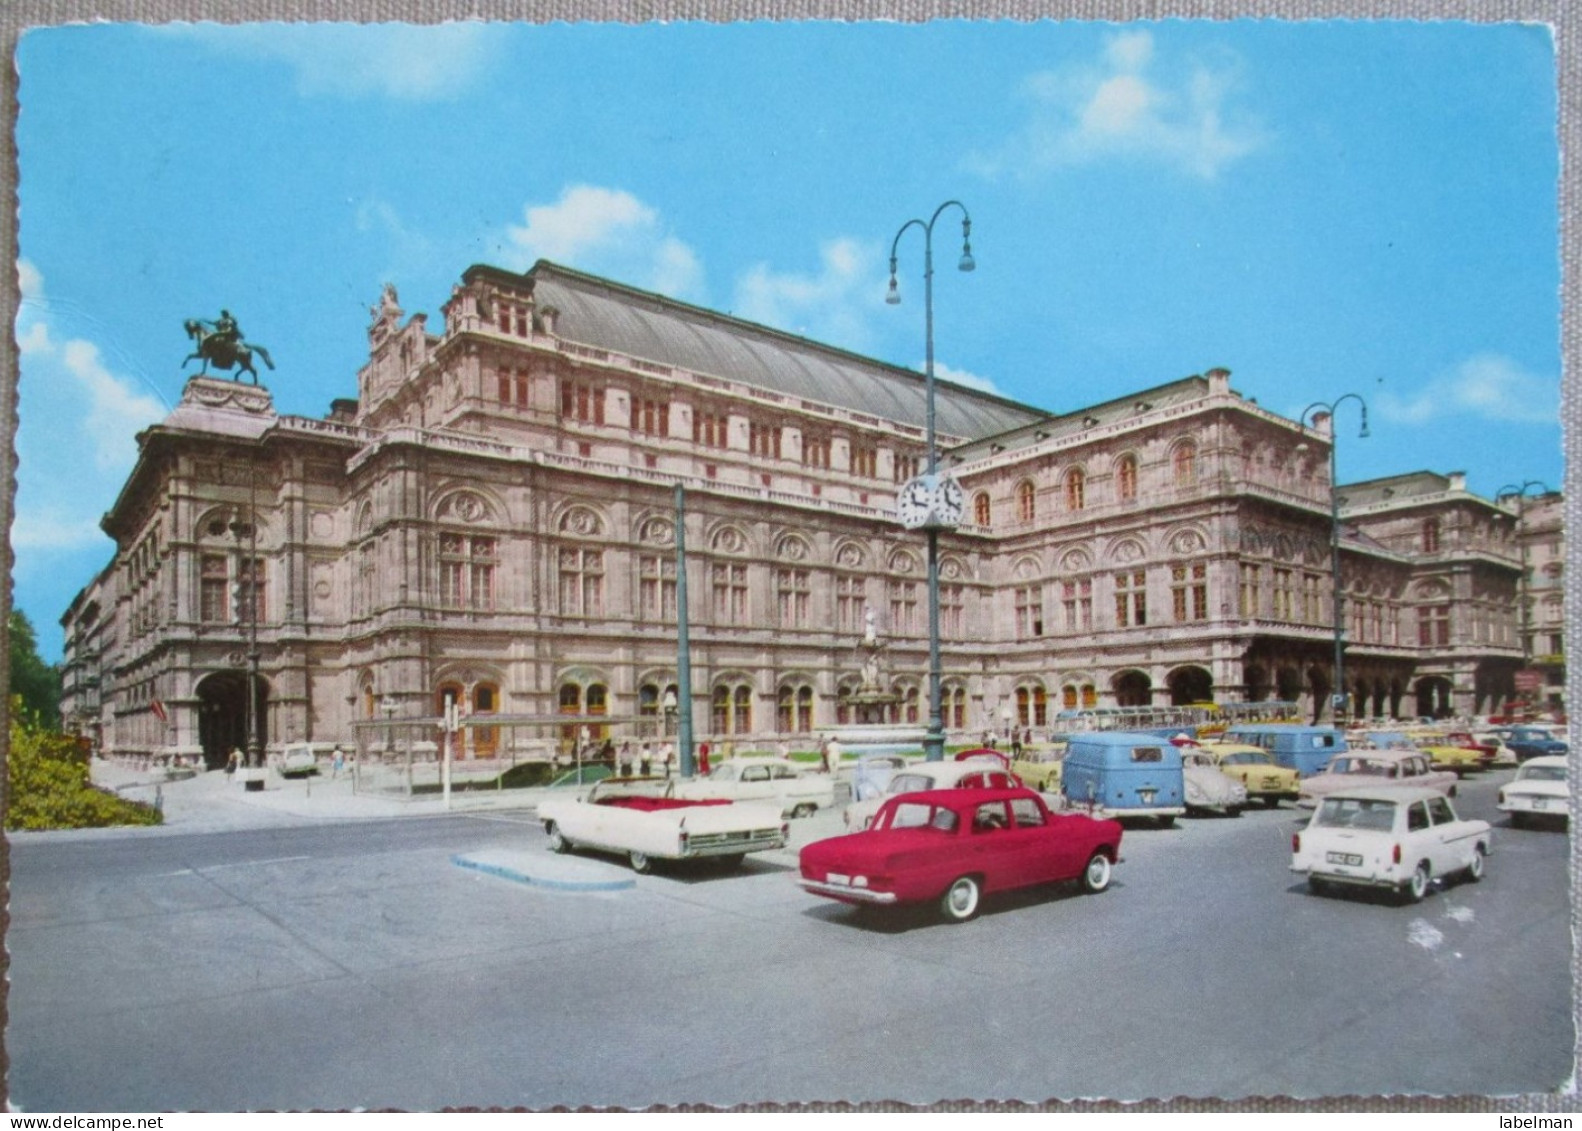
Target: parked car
[
  {"x": 1305, "y": 749},
  {"x": 1370, "y": 768},
  {"x": 872, "y": 774},
  {"x": 297, "y": 760},
  {"x": 1124, "y": 774},
  {"x": 1531, "y": 742},
  {"x": 1400, "y": 839},
  {"x": 1264, "y": 779},
  {"x": 797, "y": 791},
  {"x": 975, "y": 773},
  {"x": 644, "y": 820},
  {"x": 956, "y": 846},
  {"x": 1443, "y": 754},
  {"x": 1039, "y": 767},
  {"x": 1503, "y": 754},
  {"x": 1206, "y": 788},
  {"x": 1538, "y": 793},
  {"x": 1486, "y": 751}
]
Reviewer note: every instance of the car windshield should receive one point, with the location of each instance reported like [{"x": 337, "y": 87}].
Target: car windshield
[
  {"x": 910, "y": 783},
  {"x": 1356, "y": 813},
  {"x": 1542, "y": 773},
  {"x": 916, "y": 815}
]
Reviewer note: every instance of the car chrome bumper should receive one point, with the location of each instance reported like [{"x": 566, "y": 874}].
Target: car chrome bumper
[{"x": 847, "y": 892}]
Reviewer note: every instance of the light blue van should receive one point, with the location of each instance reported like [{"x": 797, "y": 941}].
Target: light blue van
[
  {"x": 1305, "y": 749},
  {"x": 1124, "y": 774}
]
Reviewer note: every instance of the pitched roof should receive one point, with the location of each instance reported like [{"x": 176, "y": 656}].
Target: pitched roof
[{"x": 607, "y": 315}]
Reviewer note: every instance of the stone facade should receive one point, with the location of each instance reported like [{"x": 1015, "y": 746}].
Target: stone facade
[{"x": 493, "y": 519}]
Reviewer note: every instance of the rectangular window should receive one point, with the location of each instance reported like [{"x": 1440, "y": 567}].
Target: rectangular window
[
  {"x": 582, "y": 401},
  {"x": 952, "y": 611},
  {"x": 815, "y": 451},
  {"x": 730, "y": 592},
  {"x": 764, "y": 439},
  {"x": 1284, "y": 596},
  {"x": 1189, "y": 592},
  {"x": 708, "y": 429},
  {"x": 466, "y": 571},
  {"x": 851, "y": 600},
  {"x": 907, "y": 468},
  {"x": 1433, "y": 625},
  {"x": 1029, "y": 611},
  {"x": 214, "y": 589},
  {"x": 651, "y": 417},
  {"x": 581, "y": 582},
  {"x": 1131, "y": 599},
  {"x": 864, "y": 461},
  {"x": 791, "y": 592},
  {"x": 903, "y": 608},
  {"x": 656, "y": 599},
  {"x": 1247, "y": 593},
  {"x": 1077, "y": 600}
]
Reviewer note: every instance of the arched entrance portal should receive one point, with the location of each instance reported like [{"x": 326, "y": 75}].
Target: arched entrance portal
[
  {"x": 1133, "y": 689},
  {"x": 1433, "y": 697},
  {"x": 1190, "y": 685},
  {"x": 222, "y": 716}
]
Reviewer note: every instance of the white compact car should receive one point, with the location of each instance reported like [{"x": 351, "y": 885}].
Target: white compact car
[
  {"x": 1538, "y": 792},
  {"x": 778, "y": 780},
  {"x": 1397, "y": 838},
  {"x": 298, "y": 760},
  {"x": 964, "y": 773}
]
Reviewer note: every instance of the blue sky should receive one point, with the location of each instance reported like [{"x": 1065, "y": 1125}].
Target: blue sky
[{"x": 1321, "y": 208}]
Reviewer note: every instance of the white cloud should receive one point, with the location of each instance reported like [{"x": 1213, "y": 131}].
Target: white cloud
[
  {"x": 1122, "y": 107},
  {"x": 29, "y": 281},
  {"x": 607, "y": 232},
  {"x": 1487, "y": 385},
  {"x": 833, "y": 305},
  {"x": 35, "y": 532},
  {"x": 410, "y": 62},
  {"x": 115, "y": 411},
  {"x": 964, "y": 378}
]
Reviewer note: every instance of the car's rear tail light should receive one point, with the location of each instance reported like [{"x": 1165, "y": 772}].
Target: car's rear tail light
[
  {"x": 1296, "y": 842},
  {"x": 1396, "y": 855},
  {"x": 684, "y": 835}
]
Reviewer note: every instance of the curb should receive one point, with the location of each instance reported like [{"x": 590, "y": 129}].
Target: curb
[{"x": 517, "y": 875}]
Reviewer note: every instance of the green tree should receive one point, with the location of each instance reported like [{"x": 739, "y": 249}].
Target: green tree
[{"x": 36, "y": 682}]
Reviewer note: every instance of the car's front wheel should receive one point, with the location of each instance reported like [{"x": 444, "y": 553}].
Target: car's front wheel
[
  {"x": 1415, "y": 888},
  {"x": 557, "y": 842},
  {"x": 961, "y": 899},
  {"x": 1096, "y": 876}
]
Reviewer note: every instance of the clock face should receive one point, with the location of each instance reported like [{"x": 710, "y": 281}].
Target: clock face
[
  {"x": 950, "y": 501},
  {"x": 914, "y": 503}
]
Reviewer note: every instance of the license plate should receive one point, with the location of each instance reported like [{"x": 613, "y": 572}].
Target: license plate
[
  {"x": 836, "y": 878},
  {"x": 1351, "y": 859},
  {"x": 1540, "y": 803}
]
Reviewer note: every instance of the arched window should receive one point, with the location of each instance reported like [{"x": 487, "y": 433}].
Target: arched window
[
  {"x": 732, "y": 709},
  {"x": 1025, "y": 505},
  {"x": 577, "y": 700},
  {"x": 1126, "y": 478},
  {"x": 1185, "y": 463},
  {"x": 1076, "y": 486},
  {"x": 980, "y": 508},
  {"x": 485, "y": 701},
  {"x": 1068, "y": 697},
  {"x": 794, "y": 709},
  {"x": 909, "y": 705},
  {"x": 956, "y": 708}
]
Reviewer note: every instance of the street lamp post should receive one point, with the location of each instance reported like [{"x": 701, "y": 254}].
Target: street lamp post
[
  {"x": 246, "y": 594},
  {"x": 934, "y": 740},
  {"x": 1338, "y": 696},
  {"x": 1523, "y": 593}
]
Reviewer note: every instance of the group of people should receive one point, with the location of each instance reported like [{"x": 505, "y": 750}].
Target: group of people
[
  {"x": 643, "y": 760},
  {"x": 1020, "y": 738}
]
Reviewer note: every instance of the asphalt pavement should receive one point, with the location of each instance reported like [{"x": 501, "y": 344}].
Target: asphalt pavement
[{"x": 316, "y": 953}]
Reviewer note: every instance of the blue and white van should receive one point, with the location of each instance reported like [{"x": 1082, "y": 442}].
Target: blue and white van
[
  {"x": 1124, "y": 774},
  {"x": 1305, "y": 749}
]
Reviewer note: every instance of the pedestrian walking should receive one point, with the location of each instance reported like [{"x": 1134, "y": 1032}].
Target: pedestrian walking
[
  {"x": 834, "y": 756},
  {"x": 667, "y": 754},
  {"x": 703, "y": 759},
  {"x": 647, "y": 757},
  {"x": 234, "y": 762},
  {"x": 625, "y": 760},
  {"x": 1016, "y": 742},
  {"x": 337, "y": 762}
]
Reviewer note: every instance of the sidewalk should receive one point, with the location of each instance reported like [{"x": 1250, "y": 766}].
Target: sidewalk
[{"x": 214, "y": 802}]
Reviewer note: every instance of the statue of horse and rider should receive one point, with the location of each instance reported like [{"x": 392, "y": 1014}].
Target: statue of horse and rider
[{"x": 219, "y": 343}]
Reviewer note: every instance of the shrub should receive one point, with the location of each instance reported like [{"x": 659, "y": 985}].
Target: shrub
[{"x": 49, "y": 786}]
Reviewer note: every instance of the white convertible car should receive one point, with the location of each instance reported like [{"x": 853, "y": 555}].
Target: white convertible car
[
  {"x": 644, "y": 820},
  {"x": 779, "y": 780},
  {"x": 1397, "y": 838},
  {"x": 1538, "y": 792}
]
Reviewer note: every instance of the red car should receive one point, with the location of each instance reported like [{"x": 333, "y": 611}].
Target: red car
[{"x": 953, "y": 846}]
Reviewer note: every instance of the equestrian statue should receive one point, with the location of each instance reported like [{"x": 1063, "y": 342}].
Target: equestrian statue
[{"x": 220, "y": 343}]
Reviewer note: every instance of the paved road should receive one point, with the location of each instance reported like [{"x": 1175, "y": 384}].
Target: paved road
[{"x": 356, "y": 966}]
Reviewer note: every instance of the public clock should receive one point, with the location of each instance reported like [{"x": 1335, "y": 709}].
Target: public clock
[
  {"x": 915, "y": 503},
  {"x": 950, "y": 502}
]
